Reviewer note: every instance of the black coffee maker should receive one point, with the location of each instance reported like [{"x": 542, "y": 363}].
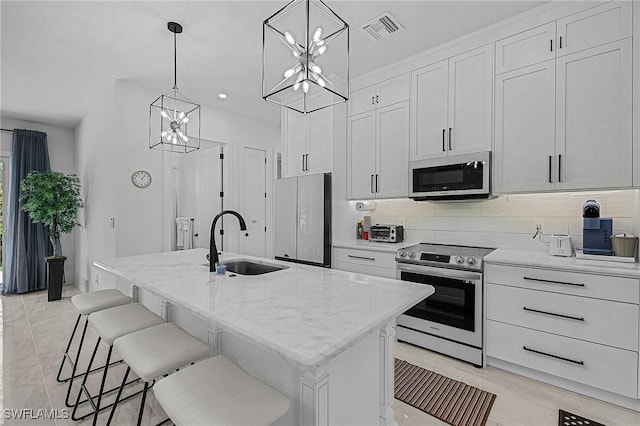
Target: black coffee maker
[{"x": 596, "y": 232}]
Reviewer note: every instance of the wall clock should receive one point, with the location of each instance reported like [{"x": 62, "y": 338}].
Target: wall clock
[{"x": 141, "y": 179}]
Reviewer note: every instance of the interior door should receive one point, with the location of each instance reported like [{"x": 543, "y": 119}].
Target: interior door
[
  {"x": 253, "y": 201},
  {"x": 4, "y": 183},
  {"x": 594, "y": 117},
  {"x": 429, "y": 111},
  {"x": 392, "y": 179},
  {"x": 525, "y": 129},
  {"x": 470, "y": 101}
]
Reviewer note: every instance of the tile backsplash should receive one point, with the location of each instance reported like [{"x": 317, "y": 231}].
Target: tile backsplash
[{"x": 508, "y": 221}]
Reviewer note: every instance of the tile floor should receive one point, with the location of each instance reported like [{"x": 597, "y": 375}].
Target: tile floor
[{"x": 33, "y": 333}]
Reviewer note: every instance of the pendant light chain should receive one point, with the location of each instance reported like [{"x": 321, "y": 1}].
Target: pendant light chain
[{"x": 175, "y": 62}]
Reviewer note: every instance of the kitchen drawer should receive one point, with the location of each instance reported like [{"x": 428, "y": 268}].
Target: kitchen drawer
[
  {"x": 365, "y": 269},
  {"x": 579, "y": 284},
  {"x": 594, "y": 320},
  {"x": 603, "y": 367},
  {"x": 365, "y": 257}
]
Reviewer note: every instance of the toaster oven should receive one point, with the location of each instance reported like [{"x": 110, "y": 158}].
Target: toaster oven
[{"x": 386, "y": 233}]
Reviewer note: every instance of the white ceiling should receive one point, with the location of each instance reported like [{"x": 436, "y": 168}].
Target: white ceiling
[{"x": 57, "y": 57}]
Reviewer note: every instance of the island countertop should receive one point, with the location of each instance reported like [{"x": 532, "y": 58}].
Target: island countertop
[{"x": 303, "y": 313}]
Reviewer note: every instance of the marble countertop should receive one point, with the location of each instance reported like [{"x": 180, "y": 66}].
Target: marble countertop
[
  {"x": 368, "y": 245},
  {"x": 544, "y": 260},
  {"x": 305, "y": 314}
]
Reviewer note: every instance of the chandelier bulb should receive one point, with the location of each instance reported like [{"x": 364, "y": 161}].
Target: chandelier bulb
[
  {"x": 288, "y": 73},
  {"x": 317, "y": 34},
  {"x": 289, "y": 38},
  {"x": 313, "y": 67},
  {"x": 181, "y": 116},
  {"x": 163, "y": 134},
  {"x": 321, "y": 82},
  {"x": 320, "y": 51},
  {"x": 164, "y": 114},
  {"x": 185, "y": 119},
  {"x": 305, "y": 86}
]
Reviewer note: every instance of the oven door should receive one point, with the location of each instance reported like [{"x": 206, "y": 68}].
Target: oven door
[{"x": 454, "y": 311}]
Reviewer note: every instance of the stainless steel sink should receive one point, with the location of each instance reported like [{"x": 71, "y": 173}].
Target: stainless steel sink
[{"x": 250, "y": 267}]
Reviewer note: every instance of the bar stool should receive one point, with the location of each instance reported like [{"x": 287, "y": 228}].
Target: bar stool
[
  {"x": 85, "y": 304},
  {"x": 110, "y": 324},
  {"x": 217, "y": 391},
  {"x": 155, "y": 352}
]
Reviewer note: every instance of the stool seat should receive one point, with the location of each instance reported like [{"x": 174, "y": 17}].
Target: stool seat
[
  {"x": 218, "y": 392},
  {"x": 116, "y": 322},
  {"x": 87, "y": 303},
  {"x": 159, "y": 350}
]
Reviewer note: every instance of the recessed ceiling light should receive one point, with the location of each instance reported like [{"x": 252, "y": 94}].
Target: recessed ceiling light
[{"x": 222, "y": 95}]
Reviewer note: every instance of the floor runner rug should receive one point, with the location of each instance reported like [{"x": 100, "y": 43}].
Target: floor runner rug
[{"x": 449, "y": 400}]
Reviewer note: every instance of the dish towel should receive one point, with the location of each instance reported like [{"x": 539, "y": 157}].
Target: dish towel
[{"x": 179, "y": 233}]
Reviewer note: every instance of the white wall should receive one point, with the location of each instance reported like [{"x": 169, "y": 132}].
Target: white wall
[
  {"x": 61, "y": 144},
  {"x": 112, "y": 144}
]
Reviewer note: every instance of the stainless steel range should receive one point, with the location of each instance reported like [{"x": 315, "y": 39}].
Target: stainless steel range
[{"x": 450, "y": 320}]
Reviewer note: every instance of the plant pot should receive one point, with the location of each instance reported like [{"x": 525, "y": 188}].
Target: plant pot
[{"x": 55, "y": 274}]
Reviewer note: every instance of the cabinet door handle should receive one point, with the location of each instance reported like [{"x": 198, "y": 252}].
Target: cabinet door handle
[
  {"x": 444, "y": 132},
  {"x": 449, "y": 138},
  {"x": 377, "y": 99},
  {"x": 550, "y": 167},
  {"x": 553, "y": 282},
  {"x": 551, "y": 44},
  {"x": 559, "y": 167},
  {"x": 306, "y": 163},
  {"x": 303, "y": 162},
  {"x": 377, "y": 182},
  {"x": 560, "y": 42},
  {"x": 371, "y": 184},
  {"x": 553, "y": 314},
  {"x": 361, "y": 257},
  {"x": 553, "y": 356},
  {"x": 372, "y": 100}
]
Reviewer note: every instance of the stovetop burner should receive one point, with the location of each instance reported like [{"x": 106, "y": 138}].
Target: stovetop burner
[{"x": 443, "y": 255}]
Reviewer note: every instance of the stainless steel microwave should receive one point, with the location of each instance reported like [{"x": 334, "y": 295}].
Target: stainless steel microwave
[{"x": 456, "y": 177}]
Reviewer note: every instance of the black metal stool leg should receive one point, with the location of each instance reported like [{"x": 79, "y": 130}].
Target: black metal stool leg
[
  {"x": 115, "y": 403},
  {"x": 84, "y": 381},
  {"x": 66, "y": 351},
  {"x": 104, "y": 378},
  {"x": 144, "y": 398},
  {"x": 75, "y": 365}
]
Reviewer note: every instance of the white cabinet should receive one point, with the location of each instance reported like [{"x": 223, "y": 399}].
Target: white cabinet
[
  {"x": 307, "y": 139},
  {"x": 594, "y": 118},
  {"x": 382, "y": 94},
  {"x": 583, "y": 30},
  {"x": 370, "y": 262},
  {"x": 566, "y": 123},
  {"x": 577, "y": 326},
  {"x": 378, "y": 141},
  {"x": 451, "y": 105},
  {"x": 525, "y": 118}
]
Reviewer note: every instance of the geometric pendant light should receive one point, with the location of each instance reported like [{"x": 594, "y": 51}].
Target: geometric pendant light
[
  {"x": 174, "y": 120},
  {"x": 305, "y": 55}
]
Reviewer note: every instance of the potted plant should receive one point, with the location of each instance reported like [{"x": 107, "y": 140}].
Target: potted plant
[{"x": 53, "y": 198}]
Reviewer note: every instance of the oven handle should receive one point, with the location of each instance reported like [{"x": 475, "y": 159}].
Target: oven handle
[{"x": 439, "y": 272}]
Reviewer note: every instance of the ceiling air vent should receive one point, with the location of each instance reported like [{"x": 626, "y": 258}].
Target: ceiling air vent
[{"x": 382, "y": 26}]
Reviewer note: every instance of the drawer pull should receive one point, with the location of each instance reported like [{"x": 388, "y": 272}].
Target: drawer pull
[
  {"x": 553, "y": 282},
  {"x": 361, "y": 257},
  {"x": 553, "y": 356},
  {"x": 553, "y": 314}
]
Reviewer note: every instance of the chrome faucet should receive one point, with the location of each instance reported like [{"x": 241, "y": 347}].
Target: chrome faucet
[{"x": 213, "y": 251}]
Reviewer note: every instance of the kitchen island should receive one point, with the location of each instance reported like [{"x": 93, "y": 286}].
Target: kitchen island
[{"x": 323, "y": 337}]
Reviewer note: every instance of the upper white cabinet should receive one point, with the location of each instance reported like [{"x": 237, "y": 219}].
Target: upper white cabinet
[
  {"x": 594, "y": 117},
  {"x": 307, "y": 140},
  {"x": 385, "y": 93},
  {"x": 451, "y": 105},
  {"x": 594, "y": 27},
  {"x": 378, "y": 140},
  {"x": 566, "y": 123},
  {"x": 583, "y": 30}
]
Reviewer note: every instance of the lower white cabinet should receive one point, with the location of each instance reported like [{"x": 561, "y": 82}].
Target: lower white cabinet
[
  {"x": 572, "y": 325},
  {"x": 363, "y": 261}
]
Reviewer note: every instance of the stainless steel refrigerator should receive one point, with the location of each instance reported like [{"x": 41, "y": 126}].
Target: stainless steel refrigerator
[{"x": 303, "y": 219}]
